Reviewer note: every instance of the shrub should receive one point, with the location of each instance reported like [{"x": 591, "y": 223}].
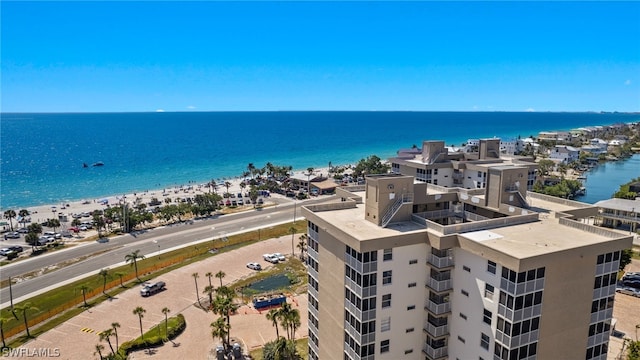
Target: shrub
[{"x": 177, "y": 324}]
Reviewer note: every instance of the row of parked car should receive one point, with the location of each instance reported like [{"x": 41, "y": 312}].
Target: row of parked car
[
  {"x": 630, "y": 284},
  {"x": 15, "y": 249},
  {"x": 272, "y": 258}
]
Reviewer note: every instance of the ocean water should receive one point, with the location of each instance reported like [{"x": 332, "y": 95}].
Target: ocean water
[{"x": 42, "y": 154}]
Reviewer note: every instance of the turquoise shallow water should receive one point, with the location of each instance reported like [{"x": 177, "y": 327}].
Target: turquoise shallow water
[{"x": 42, "y": 154}]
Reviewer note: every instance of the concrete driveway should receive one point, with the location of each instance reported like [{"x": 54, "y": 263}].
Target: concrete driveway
[{"x": 76, "y": 338}]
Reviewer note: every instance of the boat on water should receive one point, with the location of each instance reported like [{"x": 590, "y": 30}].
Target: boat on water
[{"x": 99, "y": 163}]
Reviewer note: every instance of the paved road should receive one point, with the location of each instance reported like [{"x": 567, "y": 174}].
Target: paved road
[{"x": 150, "y": 242}]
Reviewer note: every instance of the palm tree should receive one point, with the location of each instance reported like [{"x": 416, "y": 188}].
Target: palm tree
[
  {"x": 227, "y": 185},
  {"x": 115, "y": 326},
  {"x": 224, "y": 305},
  {"x": 133, "y": 259},
  {"x": 289, "y": 319},
  {"x": 105, "y": 275},
  {"x": 53, "y": 223},
  {"x": 120, "y": 274},
  {"x": 140, "y": 312},
  {"x": 292, "y": 230},
  {"x": 99, "y": 348},
  {"x": 106, "y": 335},
  {"x": 24, "y": 308},
  {"x": 2, "y": 321},
  {"x": 273, "y": 315},
  {"x": 23, "y": 214},
  {"x": 220, "y": 330},
  {"x": 309, "y": 173},
  {"x": 84, "y": 289},
  {"x": 220, "y": 274},
  {"x": 209, "y": 275},
  {"x": 166, "y": 312},
  {"x": 9, "y": 215},
  {"x": 195, "y": 279},
  {"x": 252, "y": 169},
  {"x": 209, "y": 291},
  {"x": 302, "y": 245},
  {"x": 243, "y": 185}
]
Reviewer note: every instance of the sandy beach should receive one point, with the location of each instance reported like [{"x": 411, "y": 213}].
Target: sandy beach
[{"x": 41, "y": 213}]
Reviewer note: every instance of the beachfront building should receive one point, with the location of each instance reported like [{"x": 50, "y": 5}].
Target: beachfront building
[
  {"x": 437, "y": 165},
  {"x": 564, "y": 154},
  {"x": 402, "y": 268},
  {"x": 619, "y": 214}
]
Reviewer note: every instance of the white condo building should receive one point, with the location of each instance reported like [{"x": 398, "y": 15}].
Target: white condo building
[{"x": 405, "y": 269}]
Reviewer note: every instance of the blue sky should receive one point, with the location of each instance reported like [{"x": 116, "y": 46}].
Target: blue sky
[{"x": 234, "y": 56}]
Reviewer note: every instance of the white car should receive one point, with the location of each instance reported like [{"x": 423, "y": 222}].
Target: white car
[
  {"x": 254, "y": 266},
  {"x": 279, "y": 256},
  {"x": 628, "y": 290},
  {"x": 270, "y": 258}
]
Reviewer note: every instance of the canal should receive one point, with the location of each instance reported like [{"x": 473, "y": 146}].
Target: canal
[{"x": 605, "y": 179}]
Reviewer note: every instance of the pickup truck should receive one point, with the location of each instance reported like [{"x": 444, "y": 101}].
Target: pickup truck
[{"x": 150, "y": 289}]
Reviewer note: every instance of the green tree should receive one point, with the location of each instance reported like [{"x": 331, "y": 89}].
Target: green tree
[
  {"x": 223, "y": 304},
  {"x": 302, "y": 245},
  {"x": 625, "y": 259},
  {"x": 106, "y": 335},
  {"x": 371, "y": 165},
  {"x": 209, "y": 275},
  {"x": 166, "y": 311},
  {"x": 139, "y": 311},
  {"x": 292, "y": 231},
  {"x": 10, "y": 215},
  {"x": 309, "y": 172},
  {"x": 99, "y": 348},
  {"x": 220, "y": 330},
  {"x": 209, "y": 291},
  {"x": 272, "y": 316},
  {"x": 227, "y": 185},
  {"x": 23, "y": 214},
  {"x": 104, "y": 273},
  {"x": 120, "y": 274},
  {"x": 115, "y": 326},
  {"x": 24, "y": 308},
  {"x": 545, "y": 166},
  {"x": 53, "y": 223},
  {"x": 84, "y": 289},
  {"x": 133, "y": 258},
  {"x": 220, "y": 275},
  {"x": 195, "y": 279}
]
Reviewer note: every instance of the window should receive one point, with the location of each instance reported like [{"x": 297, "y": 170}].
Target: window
[
  {"x": 411, "y": 307},
  {"x": 491, "y": 266},
  {"x": 466, "y": 268},
  {"x": 412, "y": 285},
  {"x": 484, "y": 341},
  {"x": 487, "y": 316},
  {"x": 464, "y": 292},
  {"x": 387, "y": 255},
  {"x": 386, "y": 277},
  {"x": 384, "y": 346},
  {"x": 413, "y": 261},
  {"x": 386, "y": 300},
  {"x": 488, "y": 291}
]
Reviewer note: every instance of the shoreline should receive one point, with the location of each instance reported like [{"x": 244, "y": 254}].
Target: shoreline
[{"x": 40, "y": 213}]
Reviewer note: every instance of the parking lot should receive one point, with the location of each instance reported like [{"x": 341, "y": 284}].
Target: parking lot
[
  {"x": 626, "y": 311},
  {"x": 77, "y": 337}
]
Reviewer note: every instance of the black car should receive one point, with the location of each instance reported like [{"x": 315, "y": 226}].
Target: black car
[{"x": 16, "y": 248}]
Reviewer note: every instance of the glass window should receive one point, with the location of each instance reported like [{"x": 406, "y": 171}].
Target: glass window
[
  {"x": 484, "y": 341},
  {"x": 488, "y": 291},
  {"x": 487, "y": 316},
  {"x": 491, "y": 266},
  {"x": 387, "y": 255},
  {"x": 386, "y": 277},
  {"x": 384, "y": 346},
  {"x": 386, "y": 300}
]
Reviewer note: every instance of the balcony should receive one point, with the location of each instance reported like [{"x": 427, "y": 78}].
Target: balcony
[
  {"x": 435, "y": 353},
  {"x": 438, "y": 309},
  {"x": 440, "y": 285},
  {"x": 436, "y": 330},
  {"x": 440, "y": 262}
]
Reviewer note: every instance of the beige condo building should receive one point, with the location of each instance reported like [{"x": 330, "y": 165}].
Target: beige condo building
[{"x": 402, "y": 268}]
